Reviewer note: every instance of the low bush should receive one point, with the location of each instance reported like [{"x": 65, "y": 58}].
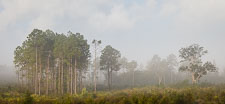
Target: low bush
[{"x": 146, "y": 95}]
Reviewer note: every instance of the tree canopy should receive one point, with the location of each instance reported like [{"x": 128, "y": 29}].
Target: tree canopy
[
  {"x": 192, "y": 62},
  {"x": 109, "y": 61},
  {"x": 45, "y": 55}
]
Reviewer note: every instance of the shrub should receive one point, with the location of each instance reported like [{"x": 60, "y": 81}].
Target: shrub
[{"x": 28, "y": 99}]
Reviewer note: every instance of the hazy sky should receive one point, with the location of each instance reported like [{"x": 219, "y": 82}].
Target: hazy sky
[{"x": 138, "y": 28}]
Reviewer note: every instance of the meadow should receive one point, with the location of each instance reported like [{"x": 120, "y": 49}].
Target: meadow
[{"x": 189, "y": 94}]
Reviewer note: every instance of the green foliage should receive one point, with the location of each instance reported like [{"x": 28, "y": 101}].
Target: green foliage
[
  {"x": 191, "y": 62},
  {"x": 147, "y": 95},
  {"x": 109, "y": 61},
  {"x": 84, "y": 92},
  {"x": 45, "y": 53},
  {"x": 28, "y": 99}
]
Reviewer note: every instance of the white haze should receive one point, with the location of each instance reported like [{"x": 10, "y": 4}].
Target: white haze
[{"x": 138, "y": 28}]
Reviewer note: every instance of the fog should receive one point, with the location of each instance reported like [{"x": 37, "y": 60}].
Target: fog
[
  {"x": 7, "y": 75},
  {"x": 139, "y": 30}
]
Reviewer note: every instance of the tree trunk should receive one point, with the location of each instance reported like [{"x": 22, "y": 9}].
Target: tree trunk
[
  {"x": 80, "y": 80},
  {"x": 36, "y": 69},
  {"x": 124, "y": 75},
  {"x": 171, "y": 81},
  {"x": 22, "y": 79},
  {"x": 164, "y": 80},
  {"x": 71, "y": 77},
  {"x": 197, "y": 79},
  {"x": 193, "y": 79},
  {"x": 109, "y": 79},
  {"x": 51, "y": 88},
  {"x": 75, "y": 74},
  {"x": 18, "y": 78},
  {"x": 32, "y": 88},
  {"x": 68, "y": 78},
  {"x": 160, "y": 80},
  {"x": 40, "y": 76},
  {"x": 59, "y": 76},
  {"x": 47, "y": 69},
  {"x": 133, "y": 79},
  {"x": 68, "y": 81},
  {"x": 62, "y": 88},
  {"x": 95, "y": 72},
  {"x": 55, "y": 80}
]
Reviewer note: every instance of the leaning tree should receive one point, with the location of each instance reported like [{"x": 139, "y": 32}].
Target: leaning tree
[{"x": 191, "y": 62}]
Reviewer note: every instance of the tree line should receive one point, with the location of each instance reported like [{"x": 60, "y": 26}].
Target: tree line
[
  {"x": 49, "y": 62},
  {"x": 53, "y": 63}
]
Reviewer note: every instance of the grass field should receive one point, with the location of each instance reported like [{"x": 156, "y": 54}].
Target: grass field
[{"x": 146, "y": 95}]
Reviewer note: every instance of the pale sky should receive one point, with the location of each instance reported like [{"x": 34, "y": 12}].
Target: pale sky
[{"x": 137, "y": 28}]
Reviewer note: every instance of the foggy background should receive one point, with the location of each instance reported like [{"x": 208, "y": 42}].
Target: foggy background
[{"x": 138, "y": 29}]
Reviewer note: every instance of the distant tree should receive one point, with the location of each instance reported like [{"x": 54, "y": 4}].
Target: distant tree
[
  {"x": 158, "y": 66},
  {"x": 123, "y": 62},
  {"x": 132, "y": 66},
  {"x": 95, "y": 63},
  {"x": 172, "y": 64},
  {"x": 59, "y": 52},
  {"x": 96, "y": 44},
  {"x": 191, "y": 62},
  {"x": 109, "y": 61}
]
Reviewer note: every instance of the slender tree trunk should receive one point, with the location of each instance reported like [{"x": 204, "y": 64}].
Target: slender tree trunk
[
  {"x": 111, "y": 79},
  {"x": 68, "y": 78},
  {"x": 133, "y": 79},
  {"x": 18, "y": 78},
  {"x": 22, "y": 79},
  {"x": 50, "y": 82},
  {"x": 47, "y": 69},
  {"x": 124, "y": 75},
  {"x": 32, "y": 88},
  {"x": 95, "y": 71},
  {"x": 160, "y": 80},
  {"x": 164, "y": 81},
  {"x": 71, "y": 77},
  {"x": 80, "y": 81},
  {"x": 75, "y": 74},
  {"x": 108, "y": 79},
  {"x": 55, "y": 79},
  {"x": 59, "y": 76},
  {"x": 52, "y": 89},
  {"x": 62, "y": 88},
  {"x": 40, "y": 76},
  {"x": 28, "y": 80},
  {"x": 68, "y": 82},
  {"x": 36, "y": 69},
  {"x": 171, "y": 80}
]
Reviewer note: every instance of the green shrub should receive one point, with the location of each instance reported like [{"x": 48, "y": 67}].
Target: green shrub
[
  {"x": 146, "y": 95},
  {"x": 28, "y": 99}
]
